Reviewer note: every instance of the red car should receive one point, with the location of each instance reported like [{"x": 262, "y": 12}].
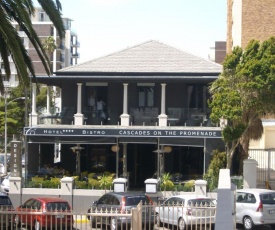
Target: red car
[{"x": 45, "y": 212}]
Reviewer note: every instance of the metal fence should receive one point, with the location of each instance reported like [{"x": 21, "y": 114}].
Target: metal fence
[
  {"x": 266, "y": 165},
  {"x": 145, "y": 217}
]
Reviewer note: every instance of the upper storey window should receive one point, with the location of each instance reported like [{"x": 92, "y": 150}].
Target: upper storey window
[
  {"x": 146, "y": 94},
  {"x": 41, "y": 16}
]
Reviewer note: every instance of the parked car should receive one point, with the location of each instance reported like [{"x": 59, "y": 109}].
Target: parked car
[
  {"x": 255, "y": 207},
  {"x": 5, "y": 205},
  {"x": 5, "y": 184},
  {"x": 121, "y": 202},
  {"x": 45, "y": 212},
  {"x": 186, "y": 210},
  {"x": 2, "y": 162}
]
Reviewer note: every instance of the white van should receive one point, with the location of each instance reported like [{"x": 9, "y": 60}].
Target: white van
[{"x": 255, "y": 207}]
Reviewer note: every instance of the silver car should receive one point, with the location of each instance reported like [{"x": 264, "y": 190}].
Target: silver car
[
  {"x": 121, "y": 202},
  {"x": 185, "y": 210},
  {"x": 255, "y": 207}
]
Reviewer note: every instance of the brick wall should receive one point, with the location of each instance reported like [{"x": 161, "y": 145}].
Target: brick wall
[
  {"x": 258, "y": 20},
  {"x": 43, "y": 30},
  {"x": 220, "y": 51}
]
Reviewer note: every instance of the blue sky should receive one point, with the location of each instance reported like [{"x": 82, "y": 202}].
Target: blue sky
[{"x": 108, "y": 26}]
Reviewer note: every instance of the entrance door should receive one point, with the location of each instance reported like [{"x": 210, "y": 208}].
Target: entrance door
[{"x": 141, "y": 163}]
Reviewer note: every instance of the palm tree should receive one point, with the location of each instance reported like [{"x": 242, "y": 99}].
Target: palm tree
[
  {"x": 49, "y": 45},
  {"x": 166, "y": 180},
  {"x": 10, "y": 42}
]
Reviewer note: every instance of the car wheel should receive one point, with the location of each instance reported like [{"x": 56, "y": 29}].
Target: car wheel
[
  {"x": 181, "y": 224},
  {"x": 36, "y": 225},
  {"x": 159, "y": 223},
  {"x": 247, "y": 223},
  {"x": 272, "y": 226}
]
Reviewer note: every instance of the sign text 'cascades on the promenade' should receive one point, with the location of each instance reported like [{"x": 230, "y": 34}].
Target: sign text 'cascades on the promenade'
[{"x": 116, "y": 132}]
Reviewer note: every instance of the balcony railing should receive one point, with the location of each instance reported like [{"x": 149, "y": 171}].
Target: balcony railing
[
  {"x": 75, "y": 44},
  {"x": 75, "y": 55},
  {"x": 142, "y": 116}
]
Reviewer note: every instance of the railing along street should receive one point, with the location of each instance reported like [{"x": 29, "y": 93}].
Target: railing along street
[{"x": 145, "y": 217}]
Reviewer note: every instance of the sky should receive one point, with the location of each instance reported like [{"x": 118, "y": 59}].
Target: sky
[{"x": 108, "y": 26}]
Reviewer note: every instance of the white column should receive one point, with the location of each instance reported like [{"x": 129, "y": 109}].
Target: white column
[
  {"x": 54, "y": 53},
  {"x": 33, "y": 116},
  {"x": 225, "y": 217},
  {"x": 162, "y": 117},
  {"x": 125, "y": 98},
  {"x": 48, "y": 120},
  {"x": 78, "y": 117},
  {"x": 250, "y": 173},
  {"x": 125, "y": 117},
  {"x": 48, "y": 99}
]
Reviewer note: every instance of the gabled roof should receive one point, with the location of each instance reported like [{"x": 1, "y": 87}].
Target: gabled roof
[{"x": 148, "y": 57}]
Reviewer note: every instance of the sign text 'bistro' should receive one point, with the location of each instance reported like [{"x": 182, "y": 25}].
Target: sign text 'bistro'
[{"x": 206, "y": 133}]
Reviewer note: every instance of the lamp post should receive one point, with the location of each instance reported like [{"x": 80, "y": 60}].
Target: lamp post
[
  {"x": 160, "y": 159},
  {"x": 6, "y": 128},
  {"x": 115, "y": 149},
  {"x": 76, "y": 149}
]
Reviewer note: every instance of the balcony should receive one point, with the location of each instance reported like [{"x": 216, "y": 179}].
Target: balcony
[
  {"x": 143, "y": 116},
  {"x": 75, "y": 44},
  {"x": 75, "y": 55}
]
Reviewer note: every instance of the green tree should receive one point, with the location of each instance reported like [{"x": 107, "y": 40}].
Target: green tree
[
  {"x": 15, "y": 113},
  {"x": 10, "y": 42},
  {"x": 49, "y": 45},
  {"x": 16, "y": 110},
  {"x": 244, "y": 93},
  {"x": 218, "y": 162}
]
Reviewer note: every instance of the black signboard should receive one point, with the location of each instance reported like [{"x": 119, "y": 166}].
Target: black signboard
[
  {"x": 123, "y": 132},
  {"x": 15, "y": 160}
]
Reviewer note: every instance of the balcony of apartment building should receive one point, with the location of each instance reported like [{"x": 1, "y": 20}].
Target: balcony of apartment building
[
  {"x": 75, "y": 43},
  {"x": 75, "y": 55}
]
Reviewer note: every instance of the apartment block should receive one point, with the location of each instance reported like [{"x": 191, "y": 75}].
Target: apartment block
[
  {"x": 247, "y": 20},
  {"x": 66, "y": 53}
]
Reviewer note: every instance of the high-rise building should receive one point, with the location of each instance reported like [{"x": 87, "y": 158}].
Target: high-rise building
[
  {"x": 65, "y": 54},
  {"x": 247, "y": 20}
]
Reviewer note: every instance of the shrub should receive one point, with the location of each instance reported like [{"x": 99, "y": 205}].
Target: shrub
[
  {"x": 105, "y": 182},
  {"x": 168, "y": 186},
  {"x": 218, "y": 162},
  {"x": 189, "y": 186},
  {"x": 81, "y": 184}
]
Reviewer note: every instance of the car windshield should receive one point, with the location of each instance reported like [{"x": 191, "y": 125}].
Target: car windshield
[
  {"x": 201, "y": 202},
  {"x": 4, "y": 200},
  {"x": 134, "y": 200},
  {"x": 268, "y": 198},
  {"x": 57, "y": 206}
]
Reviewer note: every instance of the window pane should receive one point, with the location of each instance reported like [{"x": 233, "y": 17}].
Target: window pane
[
  {"x": 150, "y": 99},
  {"x": 141, "y": 99}
]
